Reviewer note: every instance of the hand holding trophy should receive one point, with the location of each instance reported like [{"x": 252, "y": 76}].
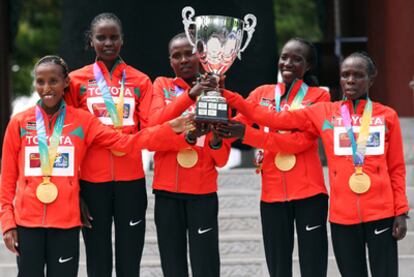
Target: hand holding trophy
[{"x": 217, "y": 41}]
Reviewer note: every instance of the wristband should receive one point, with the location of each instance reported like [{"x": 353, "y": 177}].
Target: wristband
[
  {"x": 190, "y": 139},
  {"x": 217, "y": 146}
]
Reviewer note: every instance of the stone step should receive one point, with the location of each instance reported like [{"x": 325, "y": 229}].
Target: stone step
[
  {"x": 241, "y": 213},
  {"x": 249, "y": 200},
  {"x": 410, "y": 176},
  {"x": 406, "y": 267},
  {"x": 229, "y": 200},
  {"x": 407, "y": 129},
  {"x": 231, "y": 246}
]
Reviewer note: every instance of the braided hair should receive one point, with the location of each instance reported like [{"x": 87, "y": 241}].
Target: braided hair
[
  {"x": 371, "y": 67},
  {"x": 53, "y": 59}
]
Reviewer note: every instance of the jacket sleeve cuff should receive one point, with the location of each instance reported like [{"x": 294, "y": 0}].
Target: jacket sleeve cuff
[
  {"x": 171, "y": 140},
  {"x": 7, "y": 225},
  {"x": 187, "y": 99},
  {"x": 254, "y": 137},
  {"x": 217, "y": 146},
  {"x": 402, "y": 210}
]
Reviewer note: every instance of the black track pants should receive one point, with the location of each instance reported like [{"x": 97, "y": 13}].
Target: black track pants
[
  {"x": 125, "y": 203},
  {"x": 278, "y": 220}
]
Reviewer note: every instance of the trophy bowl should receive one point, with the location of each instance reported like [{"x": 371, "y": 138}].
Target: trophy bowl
[{"x": 217, "y": 42}]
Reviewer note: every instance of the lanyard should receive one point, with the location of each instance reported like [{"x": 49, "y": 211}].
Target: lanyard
[
  {"x": 296, "y": 85},
  {"x": 358, "y": 147},
  {"x": 48, "y": 154},
  {"x": 116, "y": 112},
  {"x": 178, "y": 91},
  {"x": 303, "y": 89}
]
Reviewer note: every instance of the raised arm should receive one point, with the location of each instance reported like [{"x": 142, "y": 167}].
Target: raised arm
[
  {"x": 219, "y": 151},
  {"x": 160, "y": 111},
  {"x": 144, "y": 102},
  {"x": 294, "y": 142},
  {"x": 286, "y": 120},
  {"x": 156, "y": 138}
]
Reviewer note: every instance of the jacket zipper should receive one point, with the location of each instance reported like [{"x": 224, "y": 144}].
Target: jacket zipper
[
  {"x": 111, "y": 158},
  {"x": 359, "y": 208},
  {"x": 44, "y": 214},
  {"x": 284, "y": 186},
  {"x": 49, "y": 134},
  {"x": 176, "y": 178}
]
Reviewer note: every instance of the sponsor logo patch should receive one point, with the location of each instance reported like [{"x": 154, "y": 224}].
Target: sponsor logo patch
[
  {"x": 375, "y": 142},
  {"x": 61, "y": 161},
  {"x": 92, "y": 83},
  {"x": 31, "y": 125},
  {"x": 99, "y": 110},
  {"x": 63, "y": 166}
]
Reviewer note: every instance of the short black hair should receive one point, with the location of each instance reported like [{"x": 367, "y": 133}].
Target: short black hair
[
  {"x": 371, "y": 67},
  {"x": 176, "y": 37}
]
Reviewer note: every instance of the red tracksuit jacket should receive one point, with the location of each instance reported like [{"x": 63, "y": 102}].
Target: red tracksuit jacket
[
  {"x": 168, "y": 174},
  {"x": 21, "y": 173},
  {"x": 100, "y": 165},
  {"x": 305, "y": 179},
  {"x": 384, "y": 161}
]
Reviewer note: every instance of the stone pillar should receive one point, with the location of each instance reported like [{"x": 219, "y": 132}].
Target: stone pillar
[{"x": 390, "y": 30}]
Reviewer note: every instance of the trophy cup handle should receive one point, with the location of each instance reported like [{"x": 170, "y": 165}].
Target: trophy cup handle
[
  {"x": 187, "y": 21},
  {"x": 249, "y": 28}
]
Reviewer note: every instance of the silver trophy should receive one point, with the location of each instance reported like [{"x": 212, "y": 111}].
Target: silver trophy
[{"x": 217, "y": 41}]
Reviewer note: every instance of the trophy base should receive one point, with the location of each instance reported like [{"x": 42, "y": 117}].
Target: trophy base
[{"x": 211, "y": 109}]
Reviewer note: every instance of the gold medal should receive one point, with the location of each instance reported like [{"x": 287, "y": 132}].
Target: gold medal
[
  {"x": 187, "y": 158},
  {"x": 284, "y": 132},
  {"x": 359, "y": 182},
  {"x": 285, "y": 162},
  {"x": 46, "y": 191},
  {"x": 118, "y": 153}
]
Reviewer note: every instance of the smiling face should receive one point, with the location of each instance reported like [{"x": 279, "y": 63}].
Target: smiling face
[
  {"x": 293, "y": 62},
  {"x": 106, "y": 39},
  {"x": 354, "y": 78},
  {"x": 182, "y": 60},
  {"x": 50, "y": 84}
]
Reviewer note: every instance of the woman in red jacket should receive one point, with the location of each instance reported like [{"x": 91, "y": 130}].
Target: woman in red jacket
[
  {"x": 293, "y": 189},
  {"x": 112, "y": 183},
  {"x": 185, "y": 182},
  {"x": 43, "y": 150},
  {"x": 363, "y": 144}
]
